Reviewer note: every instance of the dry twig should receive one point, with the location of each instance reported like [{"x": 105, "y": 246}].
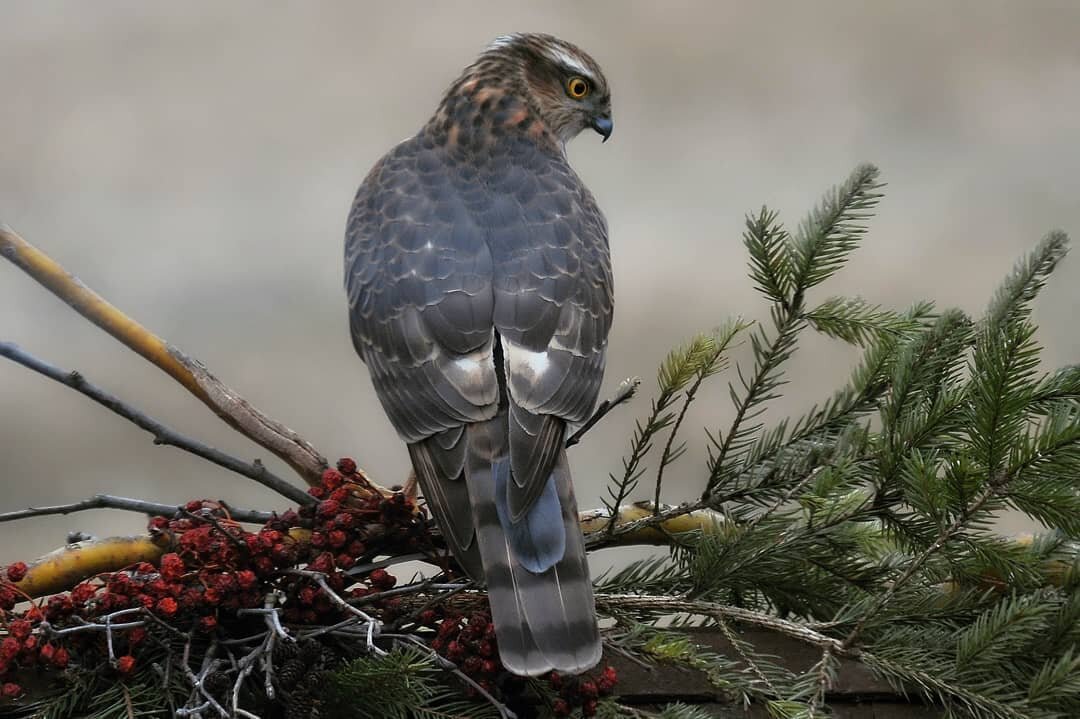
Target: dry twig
[
  {"x": 109, "y": 501},
  {"x": 624, "y": 392},
  {"x": 163, "y": 434}
]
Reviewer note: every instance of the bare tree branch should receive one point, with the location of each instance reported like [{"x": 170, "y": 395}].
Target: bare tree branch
[
  {"x": 188, "y": 371},
  {"x": 108, "y": 501},
  {"x": 163, "y": 434}
]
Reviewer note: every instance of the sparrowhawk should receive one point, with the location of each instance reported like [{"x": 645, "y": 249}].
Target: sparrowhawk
[{"x": 480, "y": 297}]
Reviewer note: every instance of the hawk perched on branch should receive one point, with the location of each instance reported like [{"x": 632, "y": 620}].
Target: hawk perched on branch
[{"x": 480, "y": 298}]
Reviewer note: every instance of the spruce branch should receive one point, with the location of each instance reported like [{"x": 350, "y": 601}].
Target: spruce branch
[
  {"x": 768, "y": 357},
  {"x": 821, "y": 246},
  {"x": 856, "y": 321},
  {"x": 992, "y": 489},
  {"x": 832, "y": 231},
  {"x": 1059, "y": 387},
  {"x": 1012, "y": 300},
  {"x": 904, "y": 677}
]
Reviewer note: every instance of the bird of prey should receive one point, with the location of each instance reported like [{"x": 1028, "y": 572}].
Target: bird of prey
[{"x": 480, "y": 298}]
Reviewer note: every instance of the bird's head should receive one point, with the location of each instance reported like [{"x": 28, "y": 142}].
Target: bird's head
[{"x": 558, "y": 80}]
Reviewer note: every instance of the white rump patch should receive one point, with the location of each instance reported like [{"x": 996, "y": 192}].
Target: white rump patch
[
  {"x": 525, "y": 374},
  {"x": 469, "y": 364},
  {"x": 473, "y": 375},
  {"x": 537, "y": 362}
]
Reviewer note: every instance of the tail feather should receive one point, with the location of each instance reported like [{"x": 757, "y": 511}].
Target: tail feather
[
  {"x": 439, "y": 463},
  {"x": 538, "y": 538},
  {"x": 544, "y": 619}
]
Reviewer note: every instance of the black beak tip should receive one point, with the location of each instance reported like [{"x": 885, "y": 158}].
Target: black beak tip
[{"x": 604, "y": 126}]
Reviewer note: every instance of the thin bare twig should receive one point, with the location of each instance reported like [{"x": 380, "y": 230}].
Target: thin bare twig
[
  {"x": 163, "y": 434},
  {"x": 109, "y": 501},
  {"x": 192, "y": 711},
  {"x": 362, "y": 570},
  {"x": 198, "y": 680},
  {"x": 625, "y": 391},
  {"x": 413, "y": 588},
  {"x": 374, "y": 626},
  {"x": 246, "y": 667},
  {"x": 108, "y": 626}
]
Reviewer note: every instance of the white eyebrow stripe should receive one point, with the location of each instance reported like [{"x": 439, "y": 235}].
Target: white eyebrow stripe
[{"x": 562, "y": 57}]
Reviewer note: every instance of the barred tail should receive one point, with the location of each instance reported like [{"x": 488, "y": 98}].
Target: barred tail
[{"x": 536, "y": 568}]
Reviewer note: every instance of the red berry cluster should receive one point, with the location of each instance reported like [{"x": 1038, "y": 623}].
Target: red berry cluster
[
  {"x": 468, "y": 641},
  {"x": 9, "y": 594},
  {"x": 582, "y": 691},
  {"x": 216, "y": 567},
  {"x": 353, "y": 520},
  {"x": 21, "y": 647}
]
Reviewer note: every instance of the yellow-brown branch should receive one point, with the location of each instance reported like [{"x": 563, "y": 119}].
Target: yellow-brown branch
[{"x": 62, "y": 569}]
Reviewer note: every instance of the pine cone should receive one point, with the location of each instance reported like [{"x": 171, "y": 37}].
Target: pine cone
[
  {"x": 313, "y": 680},
  {"x": 331, "y": 658},
  {"x": 290, "y": 673},
  {"x": 217, "y": 684},
  {"x": 310, "y": 651},
  {"x": 284, "y": 651}
]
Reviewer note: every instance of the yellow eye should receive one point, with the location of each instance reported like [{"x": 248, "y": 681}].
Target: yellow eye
[{"x": 577, "y": 87}]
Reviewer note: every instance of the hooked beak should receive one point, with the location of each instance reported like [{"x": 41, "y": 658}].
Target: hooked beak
[{"x": 604, "y": 126}]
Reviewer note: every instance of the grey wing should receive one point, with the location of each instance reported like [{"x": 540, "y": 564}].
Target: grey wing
[
  {"x": 418, "y": 279},
  {"x": 553, "y": 294}
]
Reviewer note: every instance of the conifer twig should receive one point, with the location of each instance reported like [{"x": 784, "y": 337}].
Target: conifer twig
[
  {"x": 163, "y": 434},
  {"x": 787, "y": 327},
  {"x": 668, "y": 455},
  {"x": 736, "y": 644},
  {"x": 822, "y": 682},
  {"x": 673, "y": 605}
]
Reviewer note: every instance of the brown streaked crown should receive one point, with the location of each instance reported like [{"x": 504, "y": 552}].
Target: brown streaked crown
[{"x": 526, "y": 83}]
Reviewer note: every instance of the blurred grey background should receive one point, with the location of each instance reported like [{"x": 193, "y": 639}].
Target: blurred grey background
[{"x": 194, "y": 163}]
